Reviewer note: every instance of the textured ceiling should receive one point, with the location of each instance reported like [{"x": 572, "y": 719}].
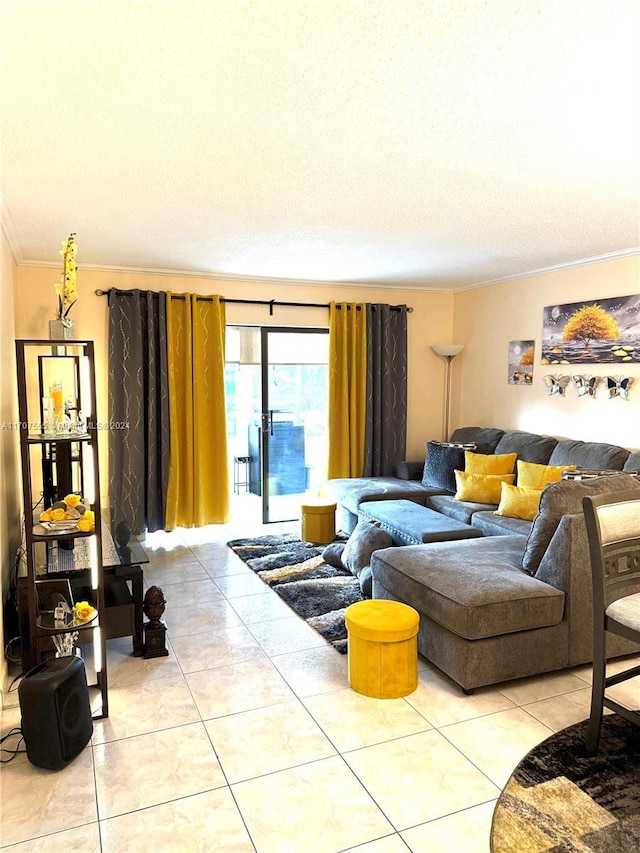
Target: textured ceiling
[{"x": 419, "y": 144}]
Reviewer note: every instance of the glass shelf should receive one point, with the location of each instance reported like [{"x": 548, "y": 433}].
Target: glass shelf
[
  {"x": 47, "y": 621},
  {"x": 41, "y": 534},
  {"x": 47, "y": 437}
]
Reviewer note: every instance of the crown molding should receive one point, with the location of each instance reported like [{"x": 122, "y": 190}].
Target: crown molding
[
  {"x": 235, "y": 277},
  {"x": 10, "y": 233},
  {"x": 583, "y": 262},
  {"x": 300, "y": 282}
]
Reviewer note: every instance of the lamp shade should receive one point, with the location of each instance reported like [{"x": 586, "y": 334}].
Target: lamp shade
[{"x": 447, "y": 350}]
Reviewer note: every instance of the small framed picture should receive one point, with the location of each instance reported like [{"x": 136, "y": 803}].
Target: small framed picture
[{"x": 521, "y": 354}]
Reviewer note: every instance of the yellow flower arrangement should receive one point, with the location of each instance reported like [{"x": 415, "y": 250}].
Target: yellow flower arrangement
[
  {"x": 72, "y": 500},
  {"x": 67, "y": 289}
]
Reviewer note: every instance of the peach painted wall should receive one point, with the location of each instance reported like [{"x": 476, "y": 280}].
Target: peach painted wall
[
  {"x": 430, "y": 322},
  {"x": 486, "y": 319},
  {"x": 10, "y": 479}
]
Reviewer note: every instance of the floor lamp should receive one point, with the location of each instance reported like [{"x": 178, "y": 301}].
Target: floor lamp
[{"x": 448, "y": 352}]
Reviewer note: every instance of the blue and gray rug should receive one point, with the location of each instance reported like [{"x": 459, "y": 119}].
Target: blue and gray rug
[{"x": 316, "y": 591}]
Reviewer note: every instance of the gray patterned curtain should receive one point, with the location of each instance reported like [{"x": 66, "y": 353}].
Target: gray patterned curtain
[
  {"x": 138, "y": 396},
  {"x": 386, "y": 418}
]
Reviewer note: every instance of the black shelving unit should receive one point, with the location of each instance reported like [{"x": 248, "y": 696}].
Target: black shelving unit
[{"x": 59, "y": 458}]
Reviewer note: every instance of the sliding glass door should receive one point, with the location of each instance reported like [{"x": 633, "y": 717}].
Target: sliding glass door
[
  {"x": 277, "y": 398},
  {"x": 293, "y": 418}
]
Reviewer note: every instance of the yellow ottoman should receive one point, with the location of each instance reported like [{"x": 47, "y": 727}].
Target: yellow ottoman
[
  {"x": 318, "y": 522},
  {"x": 382, "y": 648}
]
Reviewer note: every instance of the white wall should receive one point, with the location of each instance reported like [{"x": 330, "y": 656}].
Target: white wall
[
  {"x": 10, "y": 480},
  {"x": 486, "y": 319}
]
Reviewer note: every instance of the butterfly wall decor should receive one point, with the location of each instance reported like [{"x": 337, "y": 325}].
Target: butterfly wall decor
[
  {"x": 557, "y": 384},
  {"x": 586, "y": 385},
  {"x": 618, "y": 386}
]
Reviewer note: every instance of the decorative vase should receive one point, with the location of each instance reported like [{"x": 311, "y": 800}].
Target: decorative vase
[{"x": 58, "y": 331}]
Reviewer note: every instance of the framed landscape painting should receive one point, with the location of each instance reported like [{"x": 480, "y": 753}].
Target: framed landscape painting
[
  {"x": 521, "y": 354},
  {"x": 599, "y": 331}
]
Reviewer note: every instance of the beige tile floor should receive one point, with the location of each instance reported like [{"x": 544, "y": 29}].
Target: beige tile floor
[{"x": 247, "y": 736}]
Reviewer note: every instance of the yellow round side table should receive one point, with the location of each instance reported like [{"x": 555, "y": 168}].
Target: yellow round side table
[{"x": 382, "y": 648}]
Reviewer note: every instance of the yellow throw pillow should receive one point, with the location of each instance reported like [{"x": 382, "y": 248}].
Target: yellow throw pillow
[
  {"x": 532, "y": 476},
  {"x": 519, "y": 502},
  {"x": 483, "y": 463},
  {"x": 480, "y": 488}
]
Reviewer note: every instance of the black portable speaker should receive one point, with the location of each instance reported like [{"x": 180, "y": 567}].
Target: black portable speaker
[{"x": 56, "y": 714}]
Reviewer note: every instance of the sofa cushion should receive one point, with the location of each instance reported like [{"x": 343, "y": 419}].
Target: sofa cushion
[
  {"x": 485, "y": 438},
  {"x": 351, "y": 491},
  {"x": 480, "y": 488},
  {"x": 460, "y": 510},
  {"x": 534, "y": 476},
  {"x": 632, "y": 465},
  {"x": 565, "y": 498},
  {"x": 441, "y": 462},
  {"x": 528, "y": 446},
  {"x": 490, "y": 524},
  {"x": 489, "y": 463},
  {"x": 408, "y": 523},
  {"x": 518, "y": 502},
  {"x": 365, "y": 539},
  {"x": 589, "y": 454},
  {"x": 474, "y": 588}
]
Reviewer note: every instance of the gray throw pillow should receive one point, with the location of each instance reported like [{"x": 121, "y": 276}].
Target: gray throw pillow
[
  {"x": 442, "y": 460},
  {"x": 365, "y": 539},
  {"x": 332, "y": 554},
  {"x": 565, "y": 498}
]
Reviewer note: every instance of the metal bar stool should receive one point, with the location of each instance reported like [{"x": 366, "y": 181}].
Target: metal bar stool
[
  {"x": 241, "y": 473},
  {"x": 613, "y": 531}
]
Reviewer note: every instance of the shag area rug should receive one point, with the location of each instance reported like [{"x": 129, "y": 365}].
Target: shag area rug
[
  {"x": 316, "y": 591},
  {"x": 561, "y": 799}
]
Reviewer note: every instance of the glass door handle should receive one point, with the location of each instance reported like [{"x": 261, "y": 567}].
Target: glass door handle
[{"x": 267, "y": 421}]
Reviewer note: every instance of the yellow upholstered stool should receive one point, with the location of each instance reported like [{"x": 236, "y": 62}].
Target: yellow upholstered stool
[
  {"x": 318, "y": 522},
  {"x": 382, "y": 648}
]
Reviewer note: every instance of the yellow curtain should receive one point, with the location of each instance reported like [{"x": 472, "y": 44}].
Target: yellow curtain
[
  {"x": 347, "y": 388},
  {"x": 198, "y": 489}
]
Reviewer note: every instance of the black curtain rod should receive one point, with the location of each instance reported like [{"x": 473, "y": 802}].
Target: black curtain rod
[{"x": 270, "y": 302}]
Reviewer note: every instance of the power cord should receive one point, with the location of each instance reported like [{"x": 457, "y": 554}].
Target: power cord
[
  {"x": 11, "y": 688},
  {"x": 12, "y": 752},
  {"x": 12, "y": 651}
]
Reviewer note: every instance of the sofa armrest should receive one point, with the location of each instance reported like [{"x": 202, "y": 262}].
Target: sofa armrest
[
  {"x": 408, "y": 470},
  {"x": 567, "y": 566}
]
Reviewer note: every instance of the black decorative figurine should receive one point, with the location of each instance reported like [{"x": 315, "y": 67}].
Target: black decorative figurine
[{"x": 155, "y": 629}]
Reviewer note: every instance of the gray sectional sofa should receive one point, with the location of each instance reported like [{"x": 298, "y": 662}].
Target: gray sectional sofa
[{"x": 499, "y": 598}]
